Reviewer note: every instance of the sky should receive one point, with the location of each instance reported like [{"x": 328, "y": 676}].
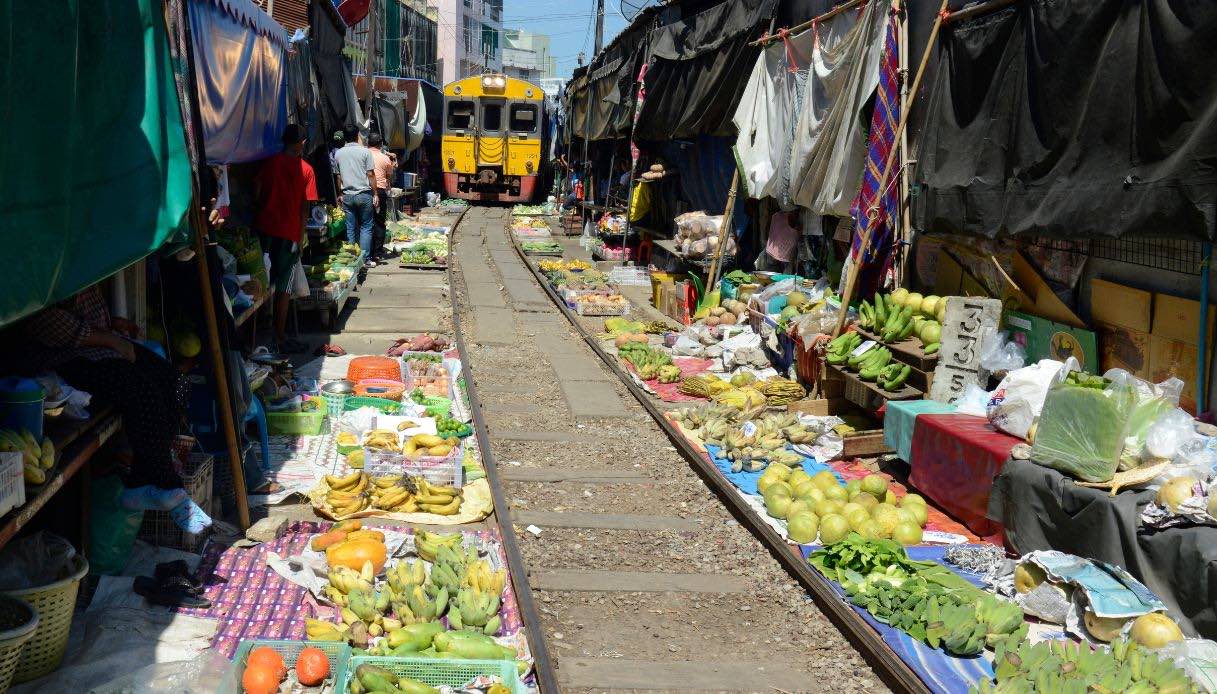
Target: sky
[{"x": 570, "y": 24}]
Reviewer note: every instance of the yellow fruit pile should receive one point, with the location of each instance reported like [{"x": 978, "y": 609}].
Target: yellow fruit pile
[
  {"x": 37, "y": 458},
  {"x": 360, "y": 492}
]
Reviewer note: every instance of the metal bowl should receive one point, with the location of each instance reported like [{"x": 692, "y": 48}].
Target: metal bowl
[{"x": 338, "y": 388}]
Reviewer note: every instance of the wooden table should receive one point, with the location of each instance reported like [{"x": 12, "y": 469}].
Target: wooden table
[{"x": 75, "y": 444}]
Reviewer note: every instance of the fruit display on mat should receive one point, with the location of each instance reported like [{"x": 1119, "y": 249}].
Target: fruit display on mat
[
  {"x": 36, "y": 457},
  {"x": 360, "y": 492},
  {"x": 645, "y": 359},
  {"x": 1047, "y": 667},
  {"x": 820, "y": 506}
]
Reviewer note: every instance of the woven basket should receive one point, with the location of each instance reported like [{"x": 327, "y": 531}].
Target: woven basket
[
  {"x": 54, "y": 602},
  {"x": 363, "y": 368},
  {"x": 18, "y": 619}
]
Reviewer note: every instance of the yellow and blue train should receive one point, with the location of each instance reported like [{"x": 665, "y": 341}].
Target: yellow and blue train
[{"x": 494, "y": 139}]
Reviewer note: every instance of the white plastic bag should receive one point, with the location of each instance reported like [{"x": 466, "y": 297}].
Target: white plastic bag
[
  {"x": 973, "y": 401},
  {"x": 1019, "y": 398},
  {"x": 300, "y": 288}
]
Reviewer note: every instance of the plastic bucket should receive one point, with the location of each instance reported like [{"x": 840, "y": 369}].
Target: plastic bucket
[{"x": 21, "y": 405}]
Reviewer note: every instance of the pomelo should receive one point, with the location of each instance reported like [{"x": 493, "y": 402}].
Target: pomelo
[
  {"x": 824, "y": 479},
  {"x": 912, "y": 499},
  {"x": 777, "y": 506},
  {"x": 907, "y": 533},
  {"x": 836, "y": 492},
  {"x": 920, "y": 514},
  {"x": 829, "y": 507},
  {"x": 1155, "y": 630},
  {"x": 803, "y": 528},
  {"x": 854, "y": 487},
  {"x": 875, "y": 485},
  {"x": 871, "y": 530},
  {"x": 833, "y": 529}
]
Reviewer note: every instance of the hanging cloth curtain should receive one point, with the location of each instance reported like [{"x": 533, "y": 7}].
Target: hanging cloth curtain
[
  {"x": 874, "y": 208},
  {"x": 830, "y": 142},
  {"x": 766, "y": 112}
]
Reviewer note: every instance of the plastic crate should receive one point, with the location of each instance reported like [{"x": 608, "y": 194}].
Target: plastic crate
[
  {"x": 12, "y": 482},
  {"x": 298, "y": 423},
  {"x": 440, "y": 671},
  {"x": 385, "y": 406},
  {"x": 339, "y": 654},
  {"x": 443, "y": 471},
  {"x": 158, "y": 528},
  {"x": 425, "y": 376}
]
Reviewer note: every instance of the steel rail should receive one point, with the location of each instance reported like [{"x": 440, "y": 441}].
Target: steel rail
[
  {"x": 895, "y": 673},
  {"x": 547, "y": 680}
]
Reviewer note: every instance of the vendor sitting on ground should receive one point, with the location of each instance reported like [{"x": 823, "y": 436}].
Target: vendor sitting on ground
[
  {"x": 285, "y": 188},
  {"x": 78, "y": 339}
]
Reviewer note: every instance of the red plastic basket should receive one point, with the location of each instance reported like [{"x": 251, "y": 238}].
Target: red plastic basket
[
  {"x": 386, "y": 388},
  {"x": 364, "y": 368}
]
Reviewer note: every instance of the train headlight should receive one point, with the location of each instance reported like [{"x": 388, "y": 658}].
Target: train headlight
[
  {"x": 451, "y": 163},
  {"x": 457, "y": 89},
  {"x": 528, "y": 165},
  {"x": 528, "y": 93}
]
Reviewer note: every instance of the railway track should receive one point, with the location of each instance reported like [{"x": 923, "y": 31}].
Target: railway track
[{"x": 643, "y": 575}]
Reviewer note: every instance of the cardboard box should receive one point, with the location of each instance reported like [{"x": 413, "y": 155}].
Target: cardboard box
[
  {"x": 1117, "y": 305},
  {"x": 1174, "y": 358},
  {"x": 1044, "y": 339},
  {"x": 1123, "y": 348},
  {"x": 1176, "y": 319},
  {"x": 1047, "y": 303}
]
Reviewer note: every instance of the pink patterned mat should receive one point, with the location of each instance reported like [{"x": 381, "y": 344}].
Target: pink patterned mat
[
  {"x": 670, "y": 392},
  {"x": 253, "y": 602}
]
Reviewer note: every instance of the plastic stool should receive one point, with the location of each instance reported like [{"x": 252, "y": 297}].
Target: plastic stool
[
  {"x": 257, "y": 413},
  {"x": 644, "y": 252}
]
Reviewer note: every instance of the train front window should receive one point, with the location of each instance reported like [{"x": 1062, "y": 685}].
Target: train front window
[
  {"x": 523, "y": 118},
  {"x": 492, "y": 117},
  {"x": 460, "y": 115}
]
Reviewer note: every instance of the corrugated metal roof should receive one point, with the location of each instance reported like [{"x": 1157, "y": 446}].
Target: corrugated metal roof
[{"x": 292, "y": 14}]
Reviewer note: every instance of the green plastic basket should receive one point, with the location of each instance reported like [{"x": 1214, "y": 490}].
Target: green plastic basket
[
  {"x": 338, "y": 652},
  {"x": 439, "y": 671},
  {"x": 298, "y": 423},
  {"x": 437, "y": 405},
  {"x": 355, "y": 402}
]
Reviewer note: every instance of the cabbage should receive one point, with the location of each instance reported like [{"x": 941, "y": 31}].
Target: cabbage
[{"x": 1081, "y": 430}]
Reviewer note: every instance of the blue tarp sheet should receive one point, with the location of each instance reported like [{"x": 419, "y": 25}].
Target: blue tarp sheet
[
  {"x": 241, "y": 70},
  {"x": 746, "y": 481},
  {"x": 707, "y": 165},
  {"x": 940, "y": 671}
]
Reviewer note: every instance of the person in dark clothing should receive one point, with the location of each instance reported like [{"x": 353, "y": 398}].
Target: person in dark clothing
[{"x": 96, "y": 353}]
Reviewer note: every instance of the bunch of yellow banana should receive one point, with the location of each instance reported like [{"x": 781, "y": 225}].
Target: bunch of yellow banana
[
  {"x": 382, "y": 439},
  {"x": 321, "y": 630},
  {"x": 419, "y": 445},
  {"x": 348, "y": 495},
  {"x": 479, "y": 575},
  {"x": 404, "y": 575},
  {"x": 428, "y": 544},
  {"x": 437, "y": 499},
  {"x": 36, "y": 458},
  {"x": 345, "y": 580},
  {"x": 394, "y": 493}
]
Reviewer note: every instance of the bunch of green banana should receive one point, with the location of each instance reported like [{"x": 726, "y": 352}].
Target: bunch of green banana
[
  {"x": 402, "y": 575},
  {"x": 373, "y": 679},
  {"x": 893, "y": 376},
  {"x": 868, "y": 369},
  {"x": 839, "y": 350},
  {"x": 1065, "y": 666},
  {"x": 866, "y": 314},
  {"x": 427, "y": 544},
  {"x": 36, "y": 458},
  {"x": 343, "y": 580},
  {"x": 475, "y": 609}
]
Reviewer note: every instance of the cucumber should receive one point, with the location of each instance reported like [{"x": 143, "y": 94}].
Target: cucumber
[{"x": 932, "y": 348}]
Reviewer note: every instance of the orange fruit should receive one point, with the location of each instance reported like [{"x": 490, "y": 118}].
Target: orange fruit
[
  {"x": 260, "y": 679},
  {"x": 269, "y": 659},
  {"x": 312, "y": 666}
]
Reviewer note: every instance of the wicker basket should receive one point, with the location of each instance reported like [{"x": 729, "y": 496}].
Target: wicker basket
[
  {"x": 18, "y": 619},
  {"x": 362, "y": 368},
  {"x": 54, "y": 602}
]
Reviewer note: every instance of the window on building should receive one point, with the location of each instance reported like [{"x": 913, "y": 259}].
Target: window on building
[
  {"x": 492, "y": 117},
  {"x": 523, "y": 118},
  {"x": 460, "y": 115}
]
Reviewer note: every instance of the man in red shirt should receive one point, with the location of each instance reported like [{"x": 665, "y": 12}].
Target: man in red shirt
[{"x": 285, "y": 186}]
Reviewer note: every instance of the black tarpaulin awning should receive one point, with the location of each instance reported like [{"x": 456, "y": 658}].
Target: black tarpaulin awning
[
  {"x": 1074, "y": 120},
  {"x": 698, "y": 67},
  {"x": 327, "y": 35}
]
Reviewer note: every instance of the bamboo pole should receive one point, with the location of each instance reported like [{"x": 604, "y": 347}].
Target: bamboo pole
[
  {"x": 217, "y": 359},
  {"x": 852, "y": 278},
  {"x": 798, "y": 28},
  {"x": 722, "y": 233}
]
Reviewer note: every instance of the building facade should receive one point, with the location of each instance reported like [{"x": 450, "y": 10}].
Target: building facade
[
  {"x": 527, "y": 55},
  {"x": 408, "y": 37},
  {"x": 470, "y": 37}
]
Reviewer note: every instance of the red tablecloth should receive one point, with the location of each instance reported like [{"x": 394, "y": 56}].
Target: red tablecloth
[{"x": 955, "y": 458}]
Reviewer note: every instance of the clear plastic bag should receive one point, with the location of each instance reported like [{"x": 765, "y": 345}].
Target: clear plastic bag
[
  {"x": 1081, "y": 429},
  {"x": 37, "y": 560},
  {"x": 999, "y": 354},
  {"x": 1167, "y": 435}
]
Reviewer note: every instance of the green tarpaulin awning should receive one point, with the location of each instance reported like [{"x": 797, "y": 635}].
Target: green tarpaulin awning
[{"x": 93, "y": 162}]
